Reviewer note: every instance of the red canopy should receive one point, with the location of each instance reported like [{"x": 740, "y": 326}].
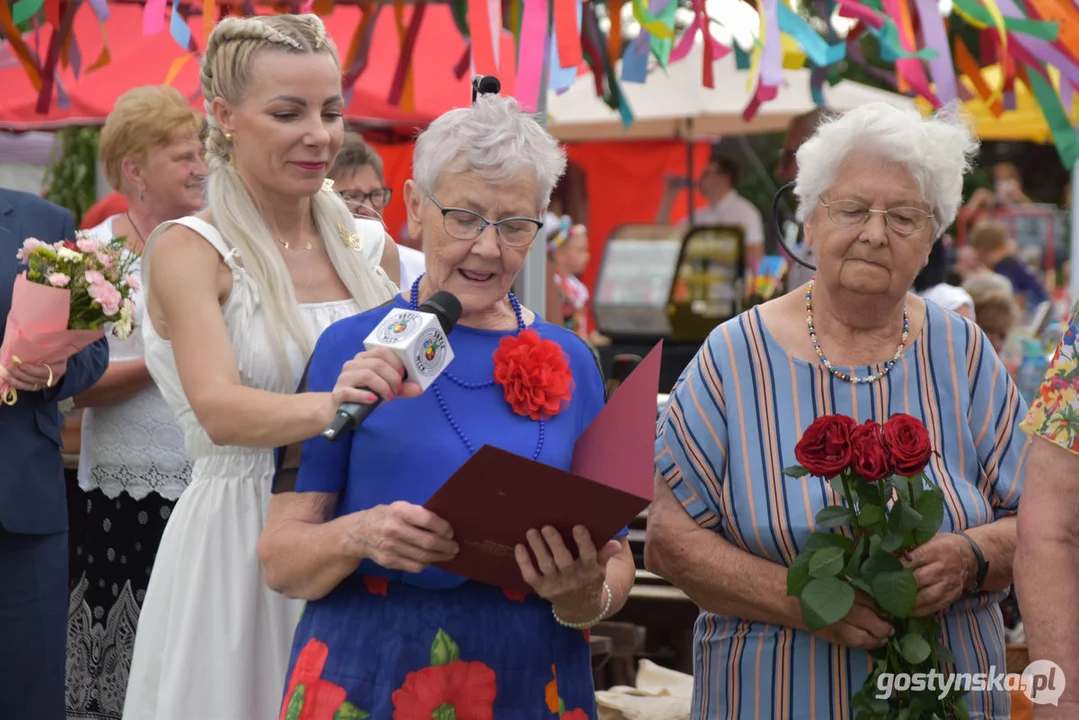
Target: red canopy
[{"x": 147, "y": 60}]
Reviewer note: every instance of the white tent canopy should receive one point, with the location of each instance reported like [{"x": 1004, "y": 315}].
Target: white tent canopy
[{"x": 675, "y": 103}]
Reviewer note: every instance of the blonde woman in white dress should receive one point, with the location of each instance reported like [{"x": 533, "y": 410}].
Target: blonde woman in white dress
[{"x": 237, "y": 297}]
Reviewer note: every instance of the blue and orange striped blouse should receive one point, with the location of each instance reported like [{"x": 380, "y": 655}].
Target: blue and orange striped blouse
[{"x": 730, "y": 428}]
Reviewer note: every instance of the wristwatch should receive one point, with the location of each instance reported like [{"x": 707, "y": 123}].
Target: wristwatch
[{"x": 983, "y": 566}]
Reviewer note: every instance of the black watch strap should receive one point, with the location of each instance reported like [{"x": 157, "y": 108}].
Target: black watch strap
[{"x": 983, "y": 566}]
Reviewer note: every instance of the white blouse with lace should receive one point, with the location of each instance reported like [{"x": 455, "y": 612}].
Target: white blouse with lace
[{"x": 135, "y": 446}]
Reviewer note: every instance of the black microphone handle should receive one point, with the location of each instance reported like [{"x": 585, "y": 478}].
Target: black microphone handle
[{"x": 349, "y": 416}]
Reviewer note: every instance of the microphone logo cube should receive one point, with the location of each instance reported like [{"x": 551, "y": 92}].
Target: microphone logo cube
[
  {"x": 399, "y": 327},
  {"x": 418, "y": 341},
  {"x": 432, "y": 354}
]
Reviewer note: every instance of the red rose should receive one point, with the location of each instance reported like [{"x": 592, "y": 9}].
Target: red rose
[
  {"x": 535, "y": 375},
  {"x": 871, "y": 458},
  {"x": 468, "y": 687},
  {"x": 908, "y": 442},
  {"x": 824, "y": 449}
]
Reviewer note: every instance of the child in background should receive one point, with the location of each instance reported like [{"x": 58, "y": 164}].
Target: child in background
[{"x": 568, "y": 251}]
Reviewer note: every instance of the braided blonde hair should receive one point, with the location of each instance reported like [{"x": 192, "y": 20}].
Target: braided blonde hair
[{"x": 226, "y": 72}]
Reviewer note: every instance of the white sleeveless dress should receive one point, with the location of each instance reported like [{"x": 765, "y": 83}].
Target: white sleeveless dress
[{"x": 213, "y": 640}]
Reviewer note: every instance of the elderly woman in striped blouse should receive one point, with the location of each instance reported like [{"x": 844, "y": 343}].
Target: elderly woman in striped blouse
[{"x": 878, "y": 186}]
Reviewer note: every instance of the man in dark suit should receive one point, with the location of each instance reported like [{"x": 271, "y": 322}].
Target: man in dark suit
[{"x": 33, "y": 508}]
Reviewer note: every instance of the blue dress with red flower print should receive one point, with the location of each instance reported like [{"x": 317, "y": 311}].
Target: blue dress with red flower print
[{"x": 402, "y": 646}]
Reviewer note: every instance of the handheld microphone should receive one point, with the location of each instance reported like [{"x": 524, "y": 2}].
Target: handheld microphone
[{"x": 418, "y": 339}]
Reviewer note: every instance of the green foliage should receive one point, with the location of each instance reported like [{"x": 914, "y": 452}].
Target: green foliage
[
  {"x": 71, "y": 182},
  {"x": 882, "y": 522}
]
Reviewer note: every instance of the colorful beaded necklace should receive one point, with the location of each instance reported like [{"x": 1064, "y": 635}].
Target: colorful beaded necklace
[
  {"x": 413, "y": 304},
  {"x": 875, "y": 377}
]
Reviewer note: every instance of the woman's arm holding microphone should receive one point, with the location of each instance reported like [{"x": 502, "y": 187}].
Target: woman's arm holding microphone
[
  {"x": 188, "y": 283},
  {"x": 305, "y": 553}
]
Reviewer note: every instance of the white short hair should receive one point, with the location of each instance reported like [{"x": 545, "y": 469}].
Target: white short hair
[
  {"x": 937, "y": 150},
  {"x": 496, "y": 140}
]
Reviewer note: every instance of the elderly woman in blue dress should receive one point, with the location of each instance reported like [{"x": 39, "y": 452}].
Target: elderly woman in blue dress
[
  {"x": 384, "y": 632},
  {"x": 878, "y": 186}
]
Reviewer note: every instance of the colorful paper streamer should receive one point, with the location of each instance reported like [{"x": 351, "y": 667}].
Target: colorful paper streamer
[
  {"x": 531, "y": 55},
  {"x": 178, "y": 28}
]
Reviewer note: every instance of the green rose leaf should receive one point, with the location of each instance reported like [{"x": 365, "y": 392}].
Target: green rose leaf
[
  {"x": 909, "y": 518},
  {"x": 862, "y": 585},
  {"x": 836, "y": 482},
  {"x": 914, "y": 648},
  {"x": 904, "y": 714},
  {"x": 944, "y": 655},
  {"x": 818, "y": 540},
  {"x": 834, "y": 516},
  {"x": 444, "y": 650},
  {"x": 798, "y": 576},
  {"x": 931, "y": 507},
  {"x": 795, "y": 471},
  {"x": 896, "y": 592},
  {"x": 826, "y": 601},
  {"x": 295, "y": 704},
  {"x": 348, "y": 711},
  {"x": 891, "y": 542},
  {"x": 870, "y": 515},
  {"x": 879, "y": 562},
  {"x": 854, "y": 565},
  {"x": 826, "y": 562},
  {"x": 444, "y": 711}
]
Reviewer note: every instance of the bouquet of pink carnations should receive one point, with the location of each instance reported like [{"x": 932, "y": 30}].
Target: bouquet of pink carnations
[{"x": 71, "y": 294}]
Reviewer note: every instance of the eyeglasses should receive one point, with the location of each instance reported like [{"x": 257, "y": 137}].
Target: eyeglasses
[
  {"x": 461, "y": 224},
  {"x": 377, "y": 198},
  {"x": 902, "y": 220}
]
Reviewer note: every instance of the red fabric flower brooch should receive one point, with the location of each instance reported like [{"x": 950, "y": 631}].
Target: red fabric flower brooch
[{"x": 535, "y": 375}]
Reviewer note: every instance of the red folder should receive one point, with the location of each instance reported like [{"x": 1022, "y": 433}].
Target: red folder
[{"x": 496, "y": 497}]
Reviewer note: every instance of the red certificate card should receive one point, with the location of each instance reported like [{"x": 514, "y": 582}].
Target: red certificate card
[{"x": 496, "y": 497}]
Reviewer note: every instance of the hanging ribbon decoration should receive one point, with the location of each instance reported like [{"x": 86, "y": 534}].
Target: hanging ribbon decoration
[
  {"x": 59, "y": 37},
  {"x": 360, "y": 48},
  {"x": 531, "y": 54},
  {"x": 18, "y": 46},
  {"x": 402, "y": 92},
  {"x": 483, "y": 51},
  {"x": 1056, "y": 117}
]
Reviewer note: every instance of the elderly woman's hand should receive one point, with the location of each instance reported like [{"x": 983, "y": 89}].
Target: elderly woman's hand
[
  {"x": 401, "y": 536},
  {"x": 863, "y": 627},
  {"x": 944, "y": 567},
  {"x": 574, "y": 587},
  {"x": 373, "y": 372}
]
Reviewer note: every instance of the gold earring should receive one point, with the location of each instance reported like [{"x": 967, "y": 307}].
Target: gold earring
[{"x": 228, "y": 136}]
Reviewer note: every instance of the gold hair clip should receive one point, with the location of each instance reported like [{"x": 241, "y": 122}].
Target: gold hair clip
[{"x": 353, "y": 240}]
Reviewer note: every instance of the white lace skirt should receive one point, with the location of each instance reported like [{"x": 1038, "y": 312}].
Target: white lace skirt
[{"x": 213, "y": 640}]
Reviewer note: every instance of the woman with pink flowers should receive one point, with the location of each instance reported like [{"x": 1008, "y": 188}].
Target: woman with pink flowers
[{"x": 133, "y": 464}]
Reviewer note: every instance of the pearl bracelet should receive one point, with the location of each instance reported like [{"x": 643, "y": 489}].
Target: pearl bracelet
[{"x": 591, "y": 623}]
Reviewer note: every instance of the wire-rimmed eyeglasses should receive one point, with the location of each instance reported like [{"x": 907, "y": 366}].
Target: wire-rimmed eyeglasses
[
  {"x": 902, "y": 220},
  {"x": 377, "y": 198},
  {"x": 461, "y": 224}
]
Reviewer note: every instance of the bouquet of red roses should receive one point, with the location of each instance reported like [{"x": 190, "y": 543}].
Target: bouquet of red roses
[
  {"x": 69, "y": 296},
  {"x": 889, "y": 508}
]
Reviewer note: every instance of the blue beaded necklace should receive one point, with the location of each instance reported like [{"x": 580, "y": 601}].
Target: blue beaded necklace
[{"x": 413, "y": 304}]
